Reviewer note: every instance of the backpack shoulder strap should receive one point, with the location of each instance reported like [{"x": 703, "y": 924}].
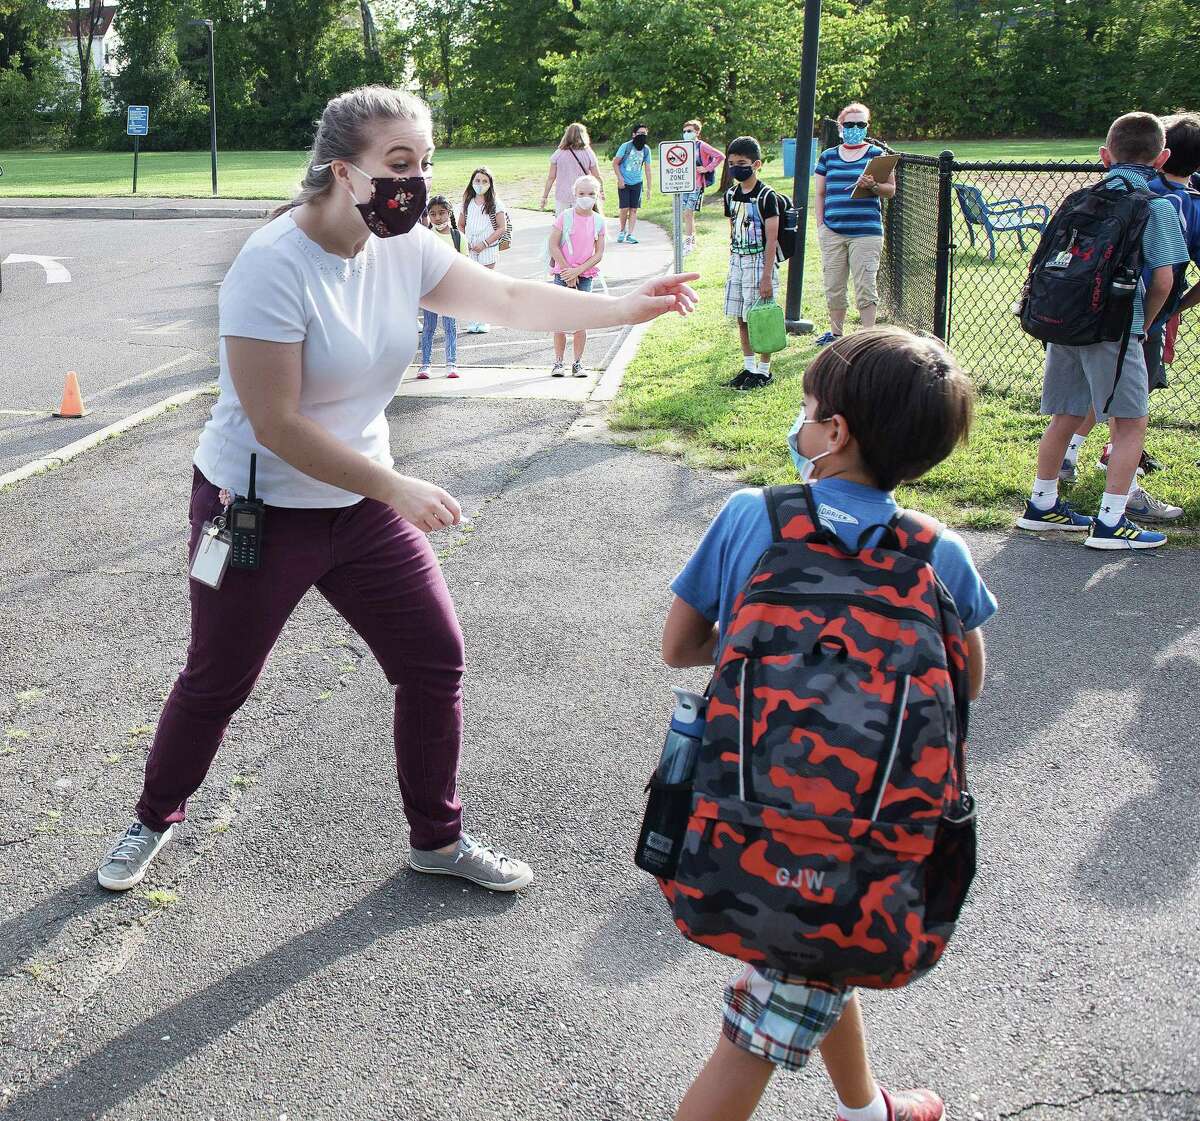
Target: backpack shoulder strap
[
  {"x": 916, "y": 534},
  {"x": 793, "y": 514},
  {"x": 456, "y": 238}
]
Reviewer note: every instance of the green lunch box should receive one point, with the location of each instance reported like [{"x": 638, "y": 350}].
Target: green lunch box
[{"x": 768, "y": 332}]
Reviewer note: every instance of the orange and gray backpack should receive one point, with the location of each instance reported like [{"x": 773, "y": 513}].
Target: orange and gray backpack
[{"x": 830, "y": 833}]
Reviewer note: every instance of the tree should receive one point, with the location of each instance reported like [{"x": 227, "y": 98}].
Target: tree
[
  {"x": 505, "y": 95},
  {"x": 438, "y": 58},
  {"x": 729, "y": 62},
  {"x": 88, "y": 22}
]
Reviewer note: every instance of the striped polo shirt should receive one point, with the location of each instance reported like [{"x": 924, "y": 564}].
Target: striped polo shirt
[{"x": 844, "y": 215}]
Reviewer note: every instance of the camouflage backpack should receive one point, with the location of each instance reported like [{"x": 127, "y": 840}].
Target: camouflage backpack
[{"x": 830, "y": 832}]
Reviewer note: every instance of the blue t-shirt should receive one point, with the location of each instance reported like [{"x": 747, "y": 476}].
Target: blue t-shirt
[
  {"x": 1162, "y": 242},
  {"x": 1188, "y": 203},
  {"x": 722, "y": 563},
  {"x": 845, "y": 215},
  {"x": 632, "y": 162}
]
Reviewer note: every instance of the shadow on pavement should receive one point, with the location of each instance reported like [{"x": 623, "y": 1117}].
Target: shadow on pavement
[
  {"x": 23, "y": 935},
  {"x": 134, "y": 1059}
]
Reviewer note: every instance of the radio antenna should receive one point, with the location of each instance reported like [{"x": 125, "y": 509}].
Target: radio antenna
[{"x": 253, "y": 472}]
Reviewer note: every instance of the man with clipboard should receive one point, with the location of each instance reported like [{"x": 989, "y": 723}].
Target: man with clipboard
[{"x": 850, "y": 181}]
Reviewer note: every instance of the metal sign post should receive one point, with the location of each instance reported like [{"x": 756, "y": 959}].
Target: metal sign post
[
  {"x": 677, "y": 177},
  {"x": 137, "y": 125}
]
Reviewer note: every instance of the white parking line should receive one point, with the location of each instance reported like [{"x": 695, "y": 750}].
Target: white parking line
[{"x": 145, "y": 374}]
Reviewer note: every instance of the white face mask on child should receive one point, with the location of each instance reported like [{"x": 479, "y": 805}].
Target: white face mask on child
[
  {"x": 480, "y": 186},
  {"x": 585, "y": 202}
]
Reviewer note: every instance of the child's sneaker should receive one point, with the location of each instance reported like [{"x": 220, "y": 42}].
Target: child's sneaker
[
  {"x": 826, "y": 339},
  {"x": 1123, "y": 535},
  {"x": 756, "y": 380},
  {"x": 577, "y": 370},
  {"x": 451, "y": 371},
  {"x": 621, "y": 237},
  {"x": 1150, "y": 509},
  {"x": 735, "y": 382},
  {"x": 913, "y": 1105},
  {"x": 631, "y": 240},
  {"x": 557, "y": 371},
  {"x": 1068, "y": 472},
  {"x": 423, "y": 374},
  {"x": 1059, "y": 516}
]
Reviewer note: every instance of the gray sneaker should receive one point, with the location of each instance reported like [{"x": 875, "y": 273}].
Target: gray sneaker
[
  {"x": 126, "y": 865},
  {"x": 481, "y": 864},
  {"x": 1068, "y": 472},
  {"x": 1146, "y": 508}
]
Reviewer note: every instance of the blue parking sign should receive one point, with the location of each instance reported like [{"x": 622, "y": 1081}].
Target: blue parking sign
[{"x": 137, "y": 120}]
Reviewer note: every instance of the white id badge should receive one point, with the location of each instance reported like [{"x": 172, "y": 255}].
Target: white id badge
[
  {"x": 211, "y": 558},
  {"x": 1060, "y": 260}
]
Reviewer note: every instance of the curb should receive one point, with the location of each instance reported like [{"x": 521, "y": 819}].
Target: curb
[
  {"x": 71, "y": 451},
  {"x": 610, "y": 381},
  {"x": 147, "y": 213}
]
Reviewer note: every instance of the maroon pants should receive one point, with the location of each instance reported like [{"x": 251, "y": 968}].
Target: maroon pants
[{"x": 380, "y": 574}]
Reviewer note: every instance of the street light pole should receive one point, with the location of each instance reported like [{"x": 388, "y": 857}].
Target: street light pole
[
  {"x": 805, "y": 115},
  {"x": 212, "y": 94}
]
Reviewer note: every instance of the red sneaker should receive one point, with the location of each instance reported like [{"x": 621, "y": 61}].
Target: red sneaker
[{"x": 914, "y": 1105}]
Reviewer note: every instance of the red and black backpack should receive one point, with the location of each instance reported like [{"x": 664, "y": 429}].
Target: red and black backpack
[{"x": 830, "y": 833}]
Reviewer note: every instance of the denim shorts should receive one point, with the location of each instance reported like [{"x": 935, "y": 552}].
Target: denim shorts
[{"x": 584, "y": 284}]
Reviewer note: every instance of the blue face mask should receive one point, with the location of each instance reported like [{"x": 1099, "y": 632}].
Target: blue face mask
[
  {"x": 804, "y": 466},
  {"x": 854, "y": 136}
]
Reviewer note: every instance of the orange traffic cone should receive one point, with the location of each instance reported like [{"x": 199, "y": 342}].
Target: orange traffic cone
[{"x": 72, "y": 403}]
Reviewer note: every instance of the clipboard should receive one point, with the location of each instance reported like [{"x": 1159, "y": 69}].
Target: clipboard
[{"x": 880, "y": 167}]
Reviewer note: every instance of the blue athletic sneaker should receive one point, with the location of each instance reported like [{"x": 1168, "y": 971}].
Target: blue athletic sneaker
[
  {"x": 1124, "y": 535},
  {"x": 621, "y": 237},
  {"x": 1059, "y": 516},
  {"x": 631, "y": 240},
  {"x": 826, "y": 339}
]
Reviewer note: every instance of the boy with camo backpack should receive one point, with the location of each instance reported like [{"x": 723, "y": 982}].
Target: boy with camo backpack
[{"x": 881, "y": 407}]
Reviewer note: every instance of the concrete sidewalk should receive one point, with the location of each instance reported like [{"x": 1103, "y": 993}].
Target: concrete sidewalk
[
  {"x": 280, "y": 962},
  {"x": 135, "y": 207}
]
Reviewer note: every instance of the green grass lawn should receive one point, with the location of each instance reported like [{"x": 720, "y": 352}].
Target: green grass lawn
[
  {"x": 245, "y": 175},
  {"x": 672, "y": 399}
]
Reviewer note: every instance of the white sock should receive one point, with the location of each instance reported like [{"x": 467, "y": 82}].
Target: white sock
[
  {"x": 1073, "y": 448},
  {"x": 750, "y": 363},
  {"x": 1135, "y": 486},
  {"x": 876, "y": 1111},
  {"x": 1112, "y": 508},
  {"x": 1045, "y": 493},
  {"x": 764, "y": 367}
]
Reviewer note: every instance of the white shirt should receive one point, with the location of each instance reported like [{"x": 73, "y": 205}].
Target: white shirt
[{"x": 357, "y": 321}]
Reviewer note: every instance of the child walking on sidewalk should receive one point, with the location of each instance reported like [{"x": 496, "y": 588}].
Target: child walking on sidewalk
[
  {"x": 881, "y": 407},
  {"x": 441, "y": 221}
]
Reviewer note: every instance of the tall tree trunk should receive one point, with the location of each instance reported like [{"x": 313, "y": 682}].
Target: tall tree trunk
[{"x": 95, "y": 13}]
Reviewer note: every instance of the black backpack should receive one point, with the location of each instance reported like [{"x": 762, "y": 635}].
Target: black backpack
[
  {"x": 1094, "y": 235},
  {"x": 789, "y": 219},
  {"x": 1093, "y": 240}
]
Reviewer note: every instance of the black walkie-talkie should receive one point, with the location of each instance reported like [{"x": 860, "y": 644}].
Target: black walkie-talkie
[{"x": 245, "y": 522}]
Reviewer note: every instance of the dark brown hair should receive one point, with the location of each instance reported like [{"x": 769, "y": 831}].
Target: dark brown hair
[
  {"x": 489, "y": 198},
  {"x": 1183, "y": 138},
  {"x": 905, "y": 399},
  {"x": 1136, "y": 138}
]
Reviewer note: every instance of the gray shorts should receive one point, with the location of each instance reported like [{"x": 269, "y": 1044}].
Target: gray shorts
[{"x": 1079, "y": 377}]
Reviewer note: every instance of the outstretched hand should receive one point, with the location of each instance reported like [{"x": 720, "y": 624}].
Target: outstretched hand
[{"x": 657, "y": 297}]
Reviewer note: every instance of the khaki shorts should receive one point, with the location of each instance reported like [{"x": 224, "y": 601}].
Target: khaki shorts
[{"x": 845, "y": 257}]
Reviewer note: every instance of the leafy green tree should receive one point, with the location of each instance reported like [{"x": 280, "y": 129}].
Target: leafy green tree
[{"x": 732, "y": 63}]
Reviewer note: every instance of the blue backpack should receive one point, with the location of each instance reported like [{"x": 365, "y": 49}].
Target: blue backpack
[{"x": 1186, "y": 202}]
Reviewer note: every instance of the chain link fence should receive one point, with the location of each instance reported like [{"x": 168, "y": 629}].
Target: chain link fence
[{"x": 957, "y": 241}]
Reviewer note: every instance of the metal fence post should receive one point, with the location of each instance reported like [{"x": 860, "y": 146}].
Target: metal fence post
[{"x": 941, "y": 292}]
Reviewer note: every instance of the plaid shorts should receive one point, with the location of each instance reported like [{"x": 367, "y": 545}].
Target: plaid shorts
[
  {"x": 778, "y": 1019},
  {"x": 741, "y": 287},
  {"x": 693, "y": 200}
]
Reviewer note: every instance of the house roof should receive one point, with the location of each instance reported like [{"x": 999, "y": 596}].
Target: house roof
[{"x": 102, "y": 24}]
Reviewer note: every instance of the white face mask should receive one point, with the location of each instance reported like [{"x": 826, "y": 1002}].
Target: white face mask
[
  {"x": 688, "y": 134},
  {"x": 585, "y": 202},
  {"x": 442, "y": 225},
  {"x": 480, "y": 186}
]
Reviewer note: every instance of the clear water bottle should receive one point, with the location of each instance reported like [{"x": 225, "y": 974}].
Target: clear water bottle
[{"x": 682, "y": 744}]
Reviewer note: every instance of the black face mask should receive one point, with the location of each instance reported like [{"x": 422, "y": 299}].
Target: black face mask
[
  {"x": 639, "y": 141},
  {"x": 396, "y": 203},
  {"x": 740, "y": 172}
]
